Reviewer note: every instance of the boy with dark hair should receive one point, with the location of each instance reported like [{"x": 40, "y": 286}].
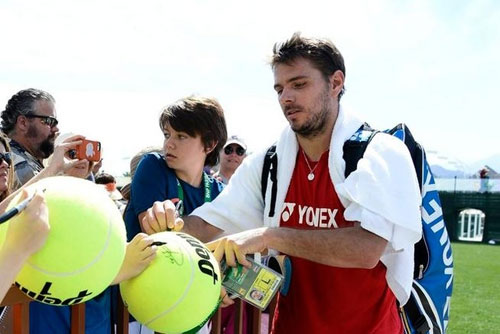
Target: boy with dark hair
[
  {"x": 194, "y": 129},
  {"x": 196, "y": 115}
]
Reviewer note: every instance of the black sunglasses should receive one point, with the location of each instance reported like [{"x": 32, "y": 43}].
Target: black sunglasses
[
  {"x": 239, "y": 150},
  {"x": 5, "y": 157},
  {"x": 48, "y": 120}
]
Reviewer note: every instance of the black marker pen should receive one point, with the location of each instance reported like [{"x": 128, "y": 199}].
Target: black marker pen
[{"x": 15, "y": 210}]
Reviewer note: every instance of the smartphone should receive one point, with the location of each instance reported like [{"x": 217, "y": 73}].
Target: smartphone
[{"x": 88, "y": 149}]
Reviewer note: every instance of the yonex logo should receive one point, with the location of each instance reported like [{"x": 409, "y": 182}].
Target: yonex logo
[
  {"x": 314, "y": 217},
  {"x": 287, "y": 211}
]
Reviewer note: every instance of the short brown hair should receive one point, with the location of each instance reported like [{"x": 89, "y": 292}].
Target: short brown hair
[
  {"x": 322, "y": 53},
  {"x": 202, "y": 116}
]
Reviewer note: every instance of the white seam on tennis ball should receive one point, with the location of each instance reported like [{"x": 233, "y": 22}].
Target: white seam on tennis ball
[
  {"x": 81, "y": 269},
  {"x": 186, "y": 290}
]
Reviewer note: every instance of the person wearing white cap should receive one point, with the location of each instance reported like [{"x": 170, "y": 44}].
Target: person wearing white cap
[{"x": 231, "y": 157}]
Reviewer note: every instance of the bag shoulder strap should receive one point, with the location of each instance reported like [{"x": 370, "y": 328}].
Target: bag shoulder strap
[
  {"x": 270, "y": 167},
  {"x": 355, "y": 147}
]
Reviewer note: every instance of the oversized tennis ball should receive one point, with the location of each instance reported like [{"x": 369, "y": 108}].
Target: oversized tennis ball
[
  {"x": 85, "y": 246},
  {"x": 179, "y": 289}
]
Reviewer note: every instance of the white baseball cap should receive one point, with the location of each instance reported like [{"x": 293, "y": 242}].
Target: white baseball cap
[{"x": 236, "y": 140}]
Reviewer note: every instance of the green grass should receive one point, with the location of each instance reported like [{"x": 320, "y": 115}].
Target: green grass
[{"x": 475, "y": 303}]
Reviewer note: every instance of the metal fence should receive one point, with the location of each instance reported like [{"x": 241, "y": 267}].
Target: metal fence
[{"x": 17, "y": 321}]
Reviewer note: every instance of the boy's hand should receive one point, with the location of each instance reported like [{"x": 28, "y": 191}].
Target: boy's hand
[{"x": 161, "y": 217}]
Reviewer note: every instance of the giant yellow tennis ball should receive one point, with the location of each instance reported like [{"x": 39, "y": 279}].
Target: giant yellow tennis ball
[
  {"x": 85, "y": 246},
  {"x": 179, "y": 289}
]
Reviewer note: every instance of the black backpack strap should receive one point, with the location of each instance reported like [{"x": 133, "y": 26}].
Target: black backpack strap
[
  {"x": 422, "y": 256},
  {"x": 270, "y": 167},
  {"x": 417, "y": 319},
  {"x": 355, "y": 147}
]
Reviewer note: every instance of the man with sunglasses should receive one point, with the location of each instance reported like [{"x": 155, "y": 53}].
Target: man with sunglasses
[
  {"x": 29, "y": 120},
  {"x": 231, "y": 157}
]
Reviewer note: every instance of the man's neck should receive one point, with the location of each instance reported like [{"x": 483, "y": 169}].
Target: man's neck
[
  {"x": 25, "y": 144},
  {"x": 315, "y": 146}
]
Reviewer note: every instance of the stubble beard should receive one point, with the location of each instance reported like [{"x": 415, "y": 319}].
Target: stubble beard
[{"x": 317, "y": 122}]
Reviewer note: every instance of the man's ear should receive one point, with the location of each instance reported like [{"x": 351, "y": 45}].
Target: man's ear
[
  {"x": 337, "y": 82},
  {"x": 22, "y": 123}
]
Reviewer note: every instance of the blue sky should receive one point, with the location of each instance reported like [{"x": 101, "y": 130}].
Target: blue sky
[{"x": 112, "y": 65}]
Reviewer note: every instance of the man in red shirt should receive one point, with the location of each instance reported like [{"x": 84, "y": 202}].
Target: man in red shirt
[{"x": 351, "y": 239}]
